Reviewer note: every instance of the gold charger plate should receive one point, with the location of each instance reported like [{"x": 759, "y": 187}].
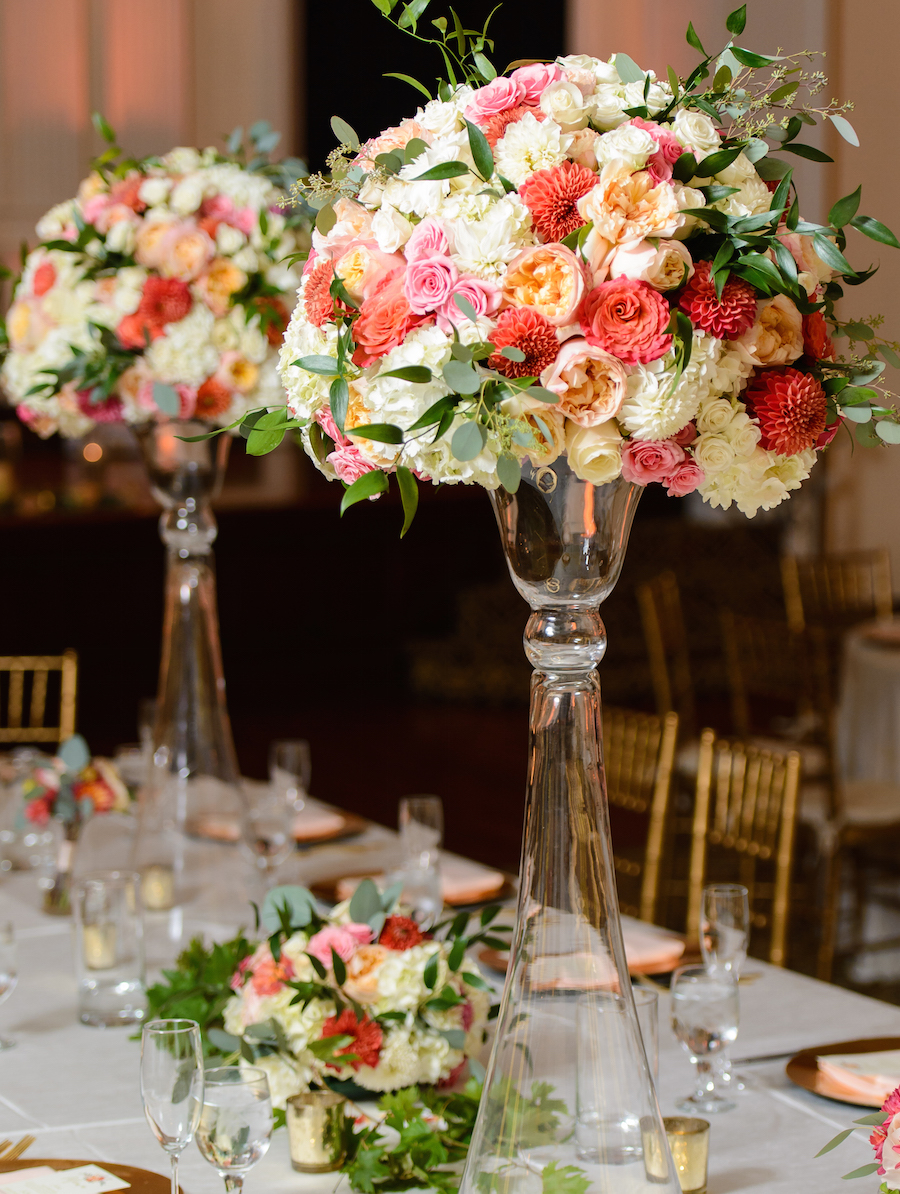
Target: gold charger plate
[
  {"x": 142, "y": 1181},
  {"x": 803, "y": 1069}
]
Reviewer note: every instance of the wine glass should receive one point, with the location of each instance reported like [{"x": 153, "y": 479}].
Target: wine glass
[
  {"x": 172, "y": 1084},
  {"x": 705, "y": 1021},
  {"x": 421, "y": 824},
  {"x": 9, "y": 972},
  {"x": 266, "y": 831},
  {"x": 724, "y": 937},
  {"x": 289, "y": 770},
  {"x": 236, "y": 1121}
]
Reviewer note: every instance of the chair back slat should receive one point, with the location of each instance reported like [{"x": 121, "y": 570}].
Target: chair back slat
[
  {"x": 850, "y": 587},
  {"x": 665, "y": 634},
  {"x": 28, "y": 685}
]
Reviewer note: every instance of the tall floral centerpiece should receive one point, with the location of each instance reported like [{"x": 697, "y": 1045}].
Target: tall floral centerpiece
[
  {"x": 564, "y": 283},
  {"x": 158, "y": 297}
]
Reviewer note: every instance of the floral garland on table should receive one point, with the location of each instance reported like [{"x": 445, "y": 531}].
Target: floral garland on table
[
  {"x": 581, "y": 259},
  {"x": 360, "y": 996},
  {"x": 161, "y": 290},
  {"x": 71, "y": 788},
  {"x": 885, "y": 1140}
]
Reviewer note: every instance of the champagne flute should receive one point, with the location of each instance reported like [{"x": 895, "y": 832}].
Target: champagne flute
[
  {"x": 266, "y": 837},
  {"x": 236, "y": 1121},
  {"x": 705, "y": 1021},
  {"x": 724, "y": 937},
  {"x": 9, "y": 971},
  {"x": 172, "y": 1084},
  {"x": 290, "y": 770}
]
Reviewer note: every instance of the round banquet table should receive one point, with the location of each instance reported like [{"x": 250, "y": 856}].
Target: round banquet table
[{"x": 868, "y": 721}]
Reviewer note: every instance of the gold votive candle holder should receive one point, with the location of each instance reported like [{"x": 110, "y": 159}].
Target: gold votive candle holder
[
  {"x": 689, "y": 1143},
  {"x": 158, "y": 887},
  {"x": 316, "y": 1131}
]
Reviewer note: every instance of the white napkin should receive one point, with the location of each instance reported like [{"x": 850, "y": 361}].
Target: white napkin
[
  {"x": 18, "y": 1175},
  {"x": 870, "y": 1076}
]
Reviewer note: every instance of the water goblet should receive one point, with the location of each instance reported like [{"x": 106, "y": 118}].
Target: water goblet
[
  {"x": 266, "y": 831},
  {"x": 172, "y": 1084},
  {"x": 421, "y": 824},
  {"x": 705, "y": 1016},
  {"x": 9, "y": 971},
  {"x": 236, "y": 1121},
  {"x": 289, "y": 770},
  {"x": 724, "y": 937}
]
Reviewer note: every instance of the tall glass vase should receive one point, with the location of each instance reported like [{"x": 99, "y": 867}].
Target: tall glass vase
[
  {"x": 194, "y": 782},
  {"x": 568, "y": 1082}
]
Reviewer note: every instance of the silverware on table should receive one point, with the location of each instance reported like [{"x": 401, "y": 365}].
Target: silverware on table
[{"x": 764, "y": 1057}]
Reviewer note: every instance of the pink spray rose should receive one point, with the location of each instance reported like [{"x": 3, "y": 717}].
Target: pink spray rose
[
  {"x": 687, "y": 477},
  {"x": 349, "y": 465},
  {"x": 659, "y": 166},
  {"x": 646, "y": 460},
  {"x": 483, "y": 295},
  {"x": 428, "y": 283},
  {"x": 496, "y": 97},
  {"x": 343, "y": 939},
  {"x": 428, "y": 240},
  {"x": 534, "y": 79}
]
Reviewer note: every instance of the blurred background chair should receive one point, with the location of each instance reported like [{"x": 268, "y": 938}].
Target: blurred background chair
[
  {"x": 638, "y": 751},
  {"x": 37, "y": 697},
  {"x": 743, "y": 831},
  {"x": 837, "y": 590},
  {"x": 659, "y": 601}
]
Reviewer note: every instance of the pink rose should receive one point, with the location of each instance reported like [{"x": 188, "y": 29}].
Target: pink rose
[
  {"x": 361, "y": 266},
  {"x": 590, "y": 383},
  {"x": 687, "y": 477},
  {"x": 496, "y": 97},
  {"x": 659, "y": 166},
  {"x": 428, "y": 283},
  {"x": 646, "y": 460},
  {"x": 343, "y": 939},
  {"x": 349, "y": 465},
  {"x": 325, "y": 419},
  {"x": 483, "y": 295},
  {"x": 628, "y": 319},
  {"x": 427, "y": 240},
  {"x": 533, "y": 79}
]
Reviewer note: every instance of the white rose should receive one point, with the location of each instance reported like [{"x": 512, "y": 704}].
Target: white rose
[
  {"x": 743, "y": 434},
  {"x": 605, "y": 72},
  {"x": 739, "y": 169},
  {"x": 715, "y": 416},
  {"x": 577, "y": 62},
  {"x": 121, "y": 237},
  {"x": 713, "y": 453},
  {"x": 182, "y": 160},
  {"x": 696, "y": 132},
  {"x": 283, "y": 1075},
  {"x": 228, "y": 240},
  {"x": 662, "y": 264},
  {"x": 564, "y": 103},
  {"x": 631, "y": 145},
  {"x": 390, "y": 228},
  {"x": 247, "y": 260},
  {"x": 154, "y": 191},
  {"x": 187, "y": 195},
  {"x": 607, "y": 107},
  {"x": 657, "y": 96},
  {"x": 594, "y": 453}
]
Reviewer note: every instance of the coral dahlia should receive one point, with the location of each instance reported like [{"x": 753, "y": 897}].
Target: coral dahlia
[
  {"x": 727, "y": 317},
  {"x": 317, "y": 300},
  {"x": 530, "y": 332},
  {"x": 552, "y": 196},
  {"x": 400, "y": 933},
  {"x": 791, "y": 409},
  {"x": 367, "y": 1037},
  {"x": 165, "y": 300}
]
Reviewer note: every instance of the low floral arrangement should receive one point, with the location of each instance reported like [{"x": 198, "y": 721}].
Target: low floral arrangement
[
  {"x": 360, "y": 999},
  {"x": 72, "y": 787},
  {"x": 576, "y": 258},
  {"x": 161, "y": 290},
  {"x": 885, "y": 1140}
]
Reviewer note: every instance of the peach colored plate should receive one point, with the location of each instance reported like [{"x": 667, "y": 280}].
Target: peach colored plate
[
  {"x": 225, "y": 830},
  {"x": 803, "y": 1069},
  {"x": 142, "y": 1181},
  {"x": 326, "y": 889},
  {"x": 498, "y": 961}
]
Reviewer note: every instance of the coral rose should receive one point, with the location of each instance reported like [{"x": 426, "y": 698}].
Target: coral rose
[
  {"x": 532, "y": 334},
  {"x": 594, "y": 453},
  {"x": 590, "y": 383},
  {"x": 44, "y": 279},
  {"x": 384, "y": 320},
  {"x": 270, "y": 976},
  {"x": 645, "y": 461},
  {"x": 553, "y": 197},
  {"x": 362, "y": 265},
  {"x": 791, "y": 408},
  {"x": 501, "y": 93},
  {"x": 776, "y": 338},
  {"x": 727, "y": 317},
  {"x": 628, "y": 319},
  {"x": 625, "y": 206},
  {"x": 548, "y": 278}
]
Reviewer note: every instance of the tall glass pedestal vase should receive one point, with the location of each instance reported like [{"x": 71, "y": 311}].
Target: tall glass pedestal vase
[
  {"x": 568, "y": 1082},
  {"x": 194, "y": 781}
]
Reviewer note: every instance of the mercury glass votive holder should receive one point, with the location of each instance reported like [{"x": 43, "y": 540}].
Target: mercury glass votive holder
[
  {"x": 689, "y": 1143},
  {"x": 316, "y": 1131}
]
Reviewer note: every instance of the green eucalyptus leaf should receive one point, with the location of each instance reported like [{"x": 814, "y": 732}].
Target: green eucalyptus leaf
[
  {"x": 326, "y": 219},
  {"x": 748, "y": 58},
  {"x": 75, "y": 754},
  {"x": 468, "y": 440},
  {"x": 512, "y": 353},
  {"x": 509, "y": 472},
  {"x": 167, "y": 399},
  {"x": 301, "y": 905},
  {"x": 628, "y": 70},
  {"x": 845, "y": 128},
  {"x": 888, "y": 431},
  {"x": 344, "y": 132},
  {"x": 462, "y": 378},
  {"x": 365, "y": 902},
  {"x": 390, "y": 896},
  {"x": 866, "y": 435},
  {"x": 366, "y": 486},
  {"x": 863, "y": 1171},
  {"x": 413, "y": 149},
  {"x": 859, "y": 413},
  {"x": 890, "y": 356},
  {"x": 430, "y": 973},
  {"x": 834, "y": 1142},
  {"x": 782, "y": 92},
  {"x": 465, "y": 306}
]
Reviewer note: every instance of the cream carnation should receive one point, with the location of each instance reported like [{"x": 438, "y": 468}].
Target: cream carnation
[{"x": 529, "y": 145}]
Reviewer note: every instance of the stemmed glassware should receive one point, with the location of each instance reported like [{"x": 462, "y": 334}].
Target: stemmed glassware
[
  {"x": 9, "y": 971},
  {"x": 724, "y": 938},
  {"x": 236, "y": 1121},
  {"x": 266, "y": 831},
  {"x": 290, "y": 769},
  {"x": 705, "y": 1017},
  {"x": 172, "y": 1084},
  {"x": 421, "y": 824}
]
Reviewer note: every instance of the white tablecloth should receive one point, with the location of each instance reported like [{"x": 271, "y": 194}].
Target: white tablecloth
[
  {"x": 76, "y": 1088},
  {"x": 868, "y": 723}
]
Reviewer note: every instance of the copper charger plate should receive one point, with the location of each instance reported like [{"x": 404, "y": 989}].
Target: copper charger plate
[
  {"x": 326, "y": 890},
  {"x": 803, "y": 1069},
  {"x": 499, "y": 961},
  {"x": 142, "y": 1181},
  {"x": 351, "y": 825}
]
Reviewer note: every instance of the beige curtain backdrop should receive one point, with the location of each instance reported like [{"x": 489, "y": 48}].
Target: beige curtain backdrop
[
  {"x": 163, "y": 72},
  {"x": 860, "y": 39}
]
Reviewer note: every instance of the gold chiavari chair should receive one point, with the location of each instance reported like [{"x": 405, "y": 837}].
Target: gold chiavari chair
[
  {"x": 842, "y": 589},
  {"x": 665, "y": 633},
  {"x": 638, "y": 752},
  {"x": 26, "y": 681},
  {"x": 745, "y": 814}
]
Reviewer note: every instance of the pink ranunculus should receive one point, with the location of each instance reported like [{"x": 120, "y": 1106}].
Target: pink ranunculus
[
  {"x": 483, "y": 295},
  {"x": 428, "y": 283},
  {"x": 687, "y": 477},
  {"x": 428, "y": 240},
  {"x": 649, "y": 460},
  {"x": 310, "y": 263},
  {"x": 343, "y": 939},
  {"x": 535, "y": 78},
  {"x": 628, "y": 319},
  {"x": 496, "y": 97},
  {"x": 94, "y": 207},
  {"x": 349, "y": 465}
]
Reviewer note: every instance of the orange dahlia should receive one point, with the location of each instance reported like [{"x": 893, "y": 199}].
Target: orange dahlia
[
  {"x": 530, "y": 332},
  {"x": 496, "y": 126},
  {"x": 552, "y": 196},
  {"x": 727, "y": 317},
  {"x": 791, "y": 408},
  {"x": 317, "y": 296},
  {"x": 367, "y": 1037}
]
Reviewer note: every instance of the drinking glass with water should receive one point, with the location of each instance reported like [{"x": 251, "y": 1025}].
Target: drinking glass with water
[
  {"x": 9, "y": 970},
  {"x": 236, "y": 1121},
  {"x": 705, "y": 1020}
]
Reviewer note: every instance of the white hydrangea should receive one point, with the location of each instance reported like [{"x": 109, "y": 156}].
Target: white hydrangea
[
  {"x": 484, "y": 245},
  {"x": 53, "y": 224},
  {"x": 306, "y": 392},
  {"x": 286, "y": 1077},
  {"x": 529, "y": 145},
  {"x": 409, "y": 1056},
  {"x": 186, "y": 352}
]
